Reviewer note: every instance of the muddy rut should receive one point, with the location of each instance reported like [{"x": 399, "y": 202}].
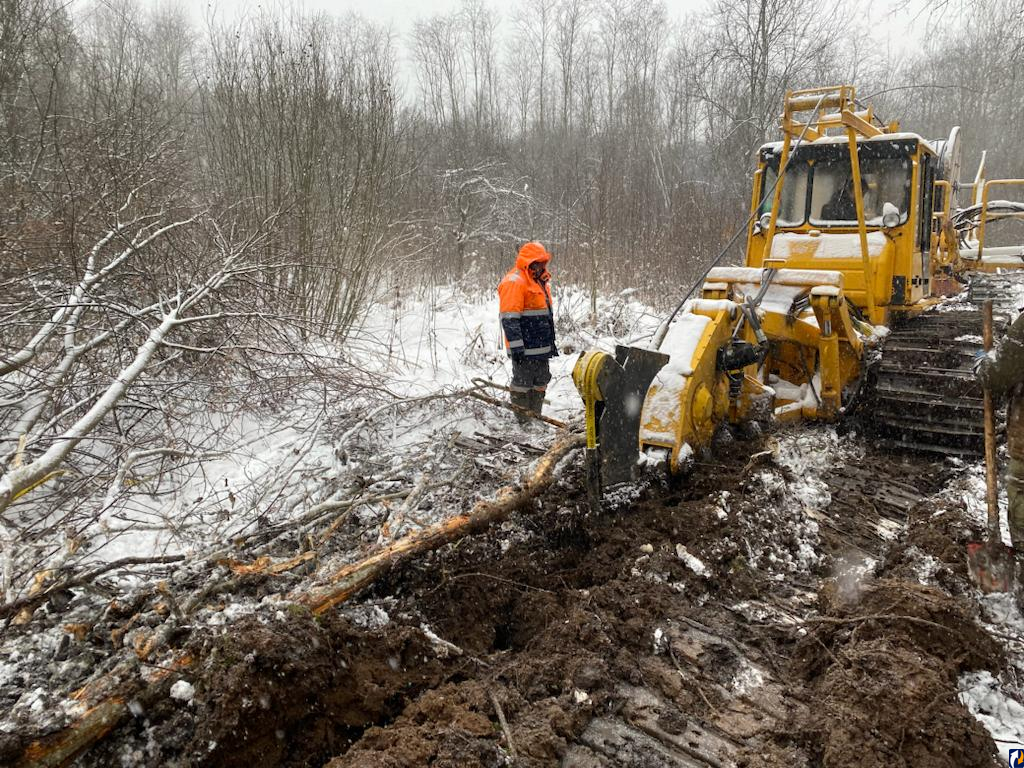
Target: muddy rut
[{"x": 724, "y": 622}]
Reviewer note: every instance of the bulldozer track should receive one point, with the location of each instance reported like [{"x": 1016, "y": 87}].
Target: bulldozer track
[{"x": 925, "y": 396}]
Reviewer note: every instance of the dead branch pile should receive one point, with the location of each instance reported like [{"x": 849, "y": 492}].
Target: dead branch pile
[{"x": 107, "y": 697}]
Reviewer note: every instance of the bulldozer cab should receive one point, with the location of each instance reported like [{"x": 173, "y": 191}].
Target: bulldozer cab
[{"x": 861, "y": 203}]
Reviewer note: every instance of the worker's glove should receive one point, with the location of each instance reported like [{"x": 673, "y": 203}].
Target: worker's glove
[{"x": 518, "y": 354}]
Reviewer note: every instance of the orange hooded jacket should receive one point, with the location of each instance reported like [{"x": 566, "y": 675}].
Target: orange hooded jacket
[{"x": 524, "y": 306}]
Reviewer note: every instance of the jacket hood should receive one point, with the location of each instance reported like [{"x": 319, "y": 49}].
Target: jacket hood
[{"x": 531, "y": 252}]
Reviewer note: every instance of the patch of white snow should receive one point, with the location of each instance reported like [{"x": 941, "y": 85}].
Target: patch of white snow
[
  {"x": 692, "y": 562},
  {"x": 747, "y": 679},
  {"x": 183, "y": 690},
  {"x": 1003, "y": 716}
]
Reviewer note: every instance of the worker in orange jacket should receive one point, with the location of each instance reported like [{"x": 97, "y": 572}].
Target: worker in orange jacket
[{"x": 528, "y": 324}]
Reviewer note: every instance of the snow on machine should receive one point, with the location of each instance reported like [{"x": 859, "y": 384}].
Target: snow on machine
[{"x": 854, "y": 230}]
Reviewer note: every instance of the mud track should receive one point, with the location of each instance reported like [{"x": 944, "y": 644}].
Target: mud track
[{"x": 587, "y": 640}]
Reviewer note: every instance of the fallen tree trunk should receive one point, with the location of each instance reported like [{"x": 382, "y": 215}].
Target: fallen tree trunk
[
  {"x": 61, "y": 749},
  {"x": 347, "y": 581},
  {"x": 93, "y": 726},
  {"x": 113, "y": 691}
]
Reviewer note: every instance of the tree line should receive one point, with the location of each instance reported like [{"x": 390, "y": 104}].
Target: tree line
[
  {"x": 188, "y": 211},
  {"x": 609, "y": 129}
]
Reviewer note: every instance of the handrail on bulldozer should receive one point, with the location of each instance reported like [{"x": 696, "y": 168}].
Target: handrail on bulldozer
[
  {"x": 983, "y": 213},
  {"x": 979, "y": 180},
  {"x": 862, "y": 229}
]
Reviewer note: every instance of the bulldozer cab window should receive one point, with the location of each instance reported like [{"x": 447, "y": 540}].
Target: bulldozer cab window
[
  {"x": 883, "y": 180},
  {"x": 818, "y": 184},
  {"x": 793, "y": 205}
]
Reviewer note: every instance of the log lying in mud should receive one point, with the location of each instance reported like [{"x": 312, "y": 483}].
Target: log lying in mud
[
  {"x": 111, "y": 709},
  {"x": 90, "y": 728},
  {"x": 347, "y": 581}
]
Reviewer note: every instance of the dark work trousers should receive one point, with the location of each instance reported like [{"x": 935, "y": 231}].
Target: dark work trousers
[{"x": 530, "y": 373}]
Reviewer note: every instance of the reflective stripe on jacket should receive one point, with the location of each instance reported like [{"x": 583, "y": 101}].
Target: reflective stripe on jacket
[{"x": 524, "y": 305}]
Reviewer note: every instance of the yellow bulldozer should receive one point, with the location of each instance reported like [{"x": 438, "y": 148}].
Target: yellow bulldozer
[{"x": 855, "y": 235}]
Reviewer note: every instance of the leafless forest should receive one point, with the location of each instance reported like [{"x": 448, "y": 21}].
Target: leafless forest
[
  {"x": 607, "y": 129},
  {"x": 184, "y": 203}
]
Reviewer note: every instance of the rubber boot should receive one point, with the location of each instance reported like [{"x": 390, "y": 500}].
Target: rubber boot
[
  {"x": 536, "y": 401},
  {"x": 523, "y": 400}
]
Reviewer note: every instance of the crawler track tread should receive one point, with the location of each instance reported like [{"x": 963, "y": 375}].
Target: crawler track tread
[{"x": 925, "y": 396}]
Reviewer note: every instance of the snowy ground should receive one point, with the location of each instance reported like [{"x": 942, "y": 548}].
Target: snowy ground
[
  {"x": 271, "y": 481},
  {"x": 985, "y": 696},
  {"x": 274, "y": 478},
  {"x": 273, "y": 464}
]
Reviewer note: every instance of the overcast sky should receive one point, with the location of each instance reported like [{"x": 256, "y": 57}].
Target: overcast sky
[{"x": 895, "y": 19}]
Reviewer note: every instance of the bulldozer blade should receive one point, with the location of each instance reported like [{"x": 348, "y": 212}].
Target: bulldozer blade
[
  {"x": 992, "y": 566},
  {"x": 624, "y": 386}
]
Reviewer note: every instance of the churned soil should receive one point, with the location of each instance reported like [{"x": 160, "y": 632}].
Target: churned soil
[{"x": 679, "y": 627}]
